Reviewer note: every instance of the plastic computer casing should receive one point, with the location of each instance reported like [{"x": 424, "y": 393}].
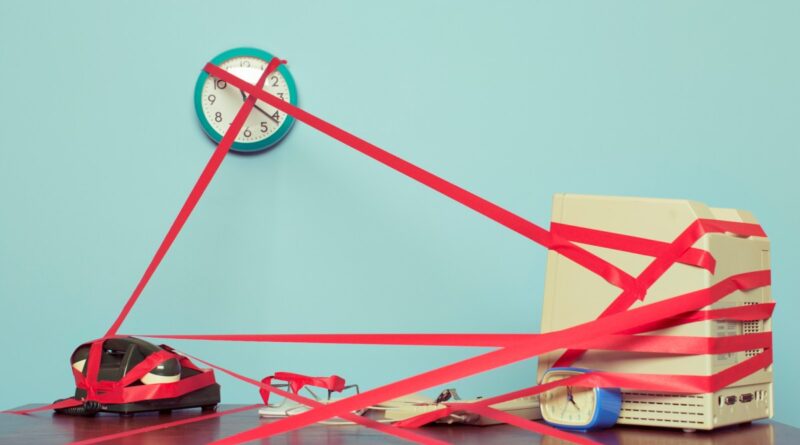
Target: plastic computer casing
[{"x": 575, "y": 295}]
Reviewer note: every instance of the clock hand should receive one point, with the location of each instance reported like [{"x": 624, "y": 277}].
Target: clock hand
[
  {"x": 571, "y": 397},
  {"x": 244, "y": 97}
]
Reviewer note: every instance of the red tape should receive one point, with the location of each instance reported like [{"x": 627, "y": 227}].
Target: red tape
[
  {"x": 123, "y": 390},
  {"x": 742, "y": 313},
  {"x": 544, "y": 343},
  {"x": 66, "y": 403},
  {"x": 298, "y": 381},
  {"x": 632, "y": 244},
  {"x": 647, "y": 382},
  {"x": 614, "y": 329},
  {"x": 162, "y": 426},
  {"x": 601, "y": 267},
  {"x": 194, "y": 197},
  {"x": 680, "y": 345},
  {"x": 531, "y": 426},
  {"x": 388, "y": 429},
  {"x": 662, "y": 263}
]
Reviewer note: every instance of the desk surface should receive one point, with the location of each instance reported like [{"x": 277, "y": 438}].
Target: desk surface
[{"x": 46, "y": 428}]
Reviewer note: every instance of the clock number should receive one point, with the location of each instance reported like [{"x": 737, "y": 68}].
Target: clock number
[
  {"x": 212, "y": 98},
  {"x": 247, "y": 133},
  {"x": 277, "y": 117},
  {"x": 218, "y": 117},
  {"x": 274, "y": 80},
  {"x": 245, "y": 63},
  {"x": 264, "y": 127},
  {"x": 281, "y": 96},
  {"x": 220, "y": 84}
]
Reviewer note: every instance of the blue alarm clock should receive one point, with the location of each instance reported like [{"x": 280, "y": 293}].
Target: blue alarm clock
[
  {"x": 578, "y": 408},
  {"x": 217, "y": 103}
]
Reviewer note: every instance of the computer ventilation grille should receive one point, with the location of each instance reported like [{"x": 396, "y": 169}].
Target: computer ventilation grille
[
  {"x": 647, "y": 407},
  {"x": 752, "y": 327}
]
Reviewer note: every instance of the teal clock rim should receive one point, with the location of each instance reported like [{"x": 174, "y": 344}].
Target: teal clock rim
[{"x": 245, "y": 147}]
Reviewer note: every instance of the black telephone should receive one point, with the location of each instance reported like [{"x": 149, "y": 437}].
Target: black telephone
[{"x": 119, "y": 356}]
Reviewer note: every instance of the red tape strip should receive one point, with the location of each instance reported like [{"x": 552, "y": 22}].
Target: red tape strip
[
  {"x": 661, "y": 264},
  {"x": 611, "y": 330},
  {"x": 162, "y": 426},
  {"x": 632, "y": 289},
  {"x": 647, "y": 382},
  {"x": 664, "y": 344},
  {"x": 631, "y": 244},
  {"x": 123, "y": 390},
  {"x": 545, "y": 343},
  {"x": 388, "y": 429},
  {"x": 299, "y": 381},
  {"x": 194, "y": 197},
  {"x": 526, "y": 424},
  {"x": 601, "y": 267},
  {"x": 742, "y": 313},
  {"x": 66, "y": 403}
]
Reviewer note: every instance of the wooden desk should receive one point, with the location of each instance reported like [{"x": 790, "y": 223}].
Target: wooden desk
[{"x": 46, "y": 428}]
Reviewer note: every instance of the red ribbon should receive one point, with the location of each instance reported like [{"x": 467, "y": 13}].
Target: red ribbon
[
  {"x": 66, "y": 403},
  {"x": 633, "y": 289},
  {"x": 632, "y": 244},
  {"x": 298, "y": 381},
  {"x": 760, "y": 311},
  {"x": 543, "y": 344},
  {"x": 388, "y": 429},
  {"x": 194, "y": 196},
  {"x": 660, "y": 264},
  {"x": 601, "y": 267},
  {"x": 123, "y": 390},
  {"x": 613, "y": 329},
  {"x": 162, "y": 426}
]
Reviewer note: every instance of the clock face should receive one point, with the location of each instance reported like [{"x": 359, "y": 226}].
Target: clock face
[
  {"x": 568, "y": 405},
  {"x": 217, "y": 102}
]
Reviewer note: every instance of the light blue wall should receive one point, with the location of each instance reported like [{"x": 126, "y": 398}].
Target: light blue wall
[{"x": 99, "y": 146}]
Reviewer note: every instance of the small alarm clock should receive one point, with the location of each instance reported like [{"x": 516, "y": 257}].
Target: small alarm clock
[
  {"x": 217, "y": 103},
  {"x": 578, "y": 408}
]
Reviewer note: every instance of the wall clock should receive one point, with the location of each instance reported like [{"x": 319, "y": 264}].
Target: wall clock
[{"x": 216, "y": 102}]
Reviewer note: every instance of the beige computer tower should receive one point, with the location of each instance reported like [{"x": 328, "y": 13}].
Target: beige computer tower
[{"x": 575, "y": 295}]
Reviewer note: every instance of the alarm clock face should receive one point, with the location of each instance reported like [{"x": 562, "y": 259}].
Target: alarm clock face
[
  {"x": 217, "y": 102},
  {"x": 568, "y": 405},
  {"x": 577, "y": 408}
]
